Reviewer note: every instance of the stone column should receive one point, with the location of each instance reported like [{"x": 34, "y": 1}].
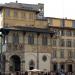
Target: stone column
[
  {"x": 23, "y": 65},
  {"x": 65, "y": 67},
  {"x": 58, "y": 66},
  {"x": 51, "y": 66},
  {"x": 73, "y": 67},
  {"x": 7, "y": 67}
]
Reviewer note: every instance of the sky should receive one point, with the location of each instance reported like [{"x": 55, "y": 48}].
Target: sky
[{"x": 52, "y": 8}]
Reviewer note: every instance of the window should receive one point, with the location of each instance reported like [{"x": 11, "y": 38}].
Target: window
[
  {"x": 44, "y": 58},
  {"x": 74, "y": 54},
  {"x": 54, "y": 54},
  {"x": 54, "y": 43},
  {"x": 61, "y": 53},
  {"x": 15, "y": 38},
  {"x": 73, "y": 33},
  {"x": 73, "y": 24},
  {"x": 62, "y": 32},
  {"x": 73, "y": 43},
  {"x": 68, "y": 33},
  {"x": 7, "y": 11},
  {"x": 55, "y": 67},
  {"x": 44, "y": 40},
  {"x": 23, "y": 15},
  {"x": 50, "y": 22},
  {"x": 31, "y": 39},
  {"x": 69, "y": 53},
  {"x": 57, "y": 31},
  {"x": 69, "y": 43},
  {"x": 62, "y": 42},
  {"x": 15, "y": 13},
  {"x": 31, "y": 15},
  {"x": 62, "y": 66},
  {"x": 62, "y": 23}
]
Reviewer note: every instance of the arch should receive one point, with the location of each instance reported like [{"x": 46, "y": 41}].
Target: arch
[
  {"x": 31, "y": 64},
  {"x": 15, "y": 63}
]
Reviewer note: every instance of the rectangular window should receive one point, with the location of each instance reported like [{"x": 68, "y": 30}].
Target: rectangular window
[
  {"x": 62, "y": 32},
  {"x": 73, "y": 43},
  {"x": 69, "y": 43},
  {"x": 23, "y": 15},
  {"x": 7, "y": 11},
  {"x": 54, "y": 54},
  {"x": 50, "y": 22},
  {"x": 69, "y": 53},
  {"x": 57, "y": 31},
  {"x": 15, "y": 13},
  {"x": 68, "y": 33},
  {"x": 73, "y": 24},
  {"x": 74, "y": 54},
  {"x": 73, "y": 33},
  {"x": 55, "y": 67},
  {"x": 44, "y": 40},
  {"x": 54, "y": 42},
  {"x": 15, "y": 38},
  {"x": 62, "y": 42},
  {"x": 62, "y": 23},
  {"x": 31, "y": 39},
  {"x": 31, "y": 15},
  {"x": 61, "y": 53}
]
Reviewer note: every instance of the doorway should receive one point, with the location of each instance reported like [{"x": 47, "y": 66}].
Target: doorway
[
  {"x": 69, "y": 67},
  {"x": 15, "y": 63},
  {"x": 54, "y": 66}
]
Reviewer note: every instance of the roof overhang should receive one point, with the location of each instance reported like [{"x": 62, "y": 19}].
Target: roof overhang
[{"x": 27, "y": 29}]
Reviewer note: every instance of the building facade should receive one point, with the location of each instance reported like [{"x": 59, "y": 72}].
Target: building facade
[{"x": 31, "y": 40}]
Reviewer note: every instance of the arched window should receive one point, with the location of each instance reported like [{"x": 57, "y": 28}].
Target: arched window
[
  {"x": 31, "y": 64},
  {"x": 31, "y": 39},
  {"x": 15, "y": 38},
  {"x": 44, "y": 40}
]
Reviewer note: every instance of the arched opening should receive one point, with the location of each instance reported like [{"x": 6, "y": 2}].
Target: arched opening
[
  {"x": 69, "y": 67},
  {"x": 31, "y": 65},
  {"x": 15, "y": 63}
]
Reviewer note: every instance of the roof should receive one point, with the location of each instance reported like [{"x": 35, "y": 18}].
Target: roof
[
  {"x": 60, "y": 18},
  {"x": 30, "y": 7}
]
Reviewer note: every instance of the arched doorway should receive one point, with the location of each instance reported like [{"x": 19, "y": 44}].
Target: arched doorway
[
  {"x": 15, "y": 63},
  {"x": 31, "y": 65}
]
